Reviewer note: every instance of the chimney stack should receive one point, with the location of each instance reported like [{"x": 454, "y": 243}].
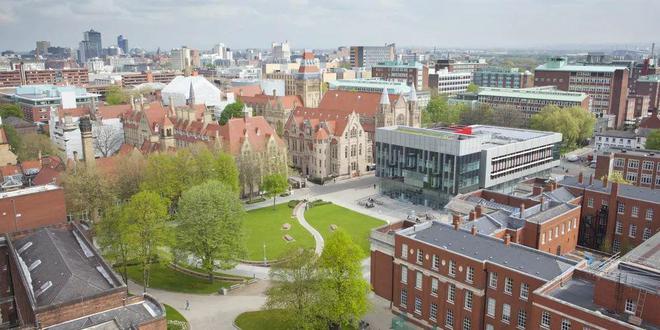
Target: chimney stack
[
  {"x": 473, "y": 231},
  {"x": 479, "y": 211},
  {"x": 591, "y": 179},
  {"x": 605, "y": 181},
  {"x": 615, "y": 189},
  {"x": 456, "y": 220},
  {"x": 274, "y": 92},
  {"x": 85, "y": 125},
  {"x": 132, "y": 102},
  {"x": 507, "y": 239},
  {"x": 473, "y": 215},
  {"x": 542, "y": 200},
  {"x": 580, "y": 178},
  {"x": 537, "y": 190},
  {"x": 522, "y": 210}
]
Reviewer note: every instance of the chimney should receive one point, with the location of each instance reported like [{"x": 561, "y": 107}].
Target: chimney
[
  {"x": 141, "y": 102},
  {"x": 615, "y": 189},
  {"x": 605, "y": 181},
  {"x": 473, "y": 215},
  {"x": 580, "y": 178},
  {"x": 542, "y": 200},
  {"x": 208, "y": 116},
  {"x": 507, "y": 239},
  {"x": 537, "y": 190},
  {"x": 85, "y": 125},
  {"x": 591, "y": 179},
  {"x": 132, "y": 102},
  {"x": 274, "y": 92},
  {"x": 522, "y": 211},
  {"x": 456, "y": 220},
  {"x": 478, "y": 210},
  {"x": 171, "y": 100},
  {"x": 473, "y": 231}
]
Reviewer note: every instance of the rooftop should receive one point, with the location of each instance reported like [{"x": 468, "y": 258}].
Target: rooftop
[
  {"x": 559, "y": 64},
  {"x": 650, "y": 78},
  {"x": 624, "y": 134},
  {"x": 625, "y": 190},
  {"x": 534, "y": 94},
  {"x": 125, "y": 317},
  {"x": 393, "y": 87},
  {"x": 398, "y": 64},
  {"x": 488, "y": 249},
  {"x": 39, "y": 92},
  {"x": 633, "y": 152}
]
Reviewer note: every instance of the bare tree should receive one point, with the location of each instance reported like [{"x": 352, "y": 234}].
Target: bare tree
[
  {"x": 249, "y": 174},
  {"x": 509, "y": 116},
  {"x": 107, "y": 139}
]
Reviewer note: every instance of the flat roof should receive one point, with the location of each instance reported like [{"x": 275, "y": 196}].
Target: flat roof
[
  {"x": 577, "y": 67},
  {"x": 650, "y": 78},
  {"x": 29, "y": 190},
  {"x": 533, "y": 94},
  {"x": 489, "y": 249},
  {"x": 398, "y": 64},
  {"x": 627, "y": 151}
]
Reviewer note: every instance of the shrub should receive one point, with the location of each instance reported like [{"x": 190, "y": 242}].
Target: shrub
[
  {"x": 292, "y": 203},
  {"x": 256, "y": 200}
]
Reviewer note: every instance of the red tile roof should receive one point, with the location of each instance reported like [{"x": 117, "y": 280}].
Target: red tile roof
[
  {"x": 650, "y": 122},
  {"x": 363, "y": 103},
  {"x": 113, "y": 111},
  {"x": 9, "y": 170},
  {"x": 74, "y": 112},
  {"x": 256, "y": 129},
  {"x": 249, "y": 90},
  {"x": 288, "y": 101},
  {"x": 334, "y": 120}
]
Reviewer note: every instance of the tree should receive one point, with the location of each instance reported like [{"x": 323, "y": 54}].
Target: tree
[
  {"x": 482, "y": 114},
  {"x": 617, "y": 177},
  {"x": 126, "y": 179},
  {"x": 508, "y": 116},
  {"x": 295, "y": 290},
  {"x": 10, "y": 110},
  {"x": 233, "y": 110},
  {"x": 13, "y": 139},
  {"x": 275, "y": 184},
  {"x": 575, "y": 124},
  {"x": 209, "y": 225},
  {"x": 148, "y": 231},
  {"x": 653, "y": 140},
  {"x": 32, "y": 144},
  {"x": 86, "y": 192},
  {"x": 472, "y": 88},
  {"x": 249, "y": 173},
  {"x": 107, "y": 139},
  {"x": 343, "y": 289},
  {"x": 114, "y": 239},
  {"x": 115, "y": 95},
  {"x": 438, "y": 111}
]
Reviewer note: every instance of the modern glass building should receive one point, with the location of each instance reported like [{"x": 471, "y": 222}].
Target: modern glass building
[{"x": 430, "y": 166}]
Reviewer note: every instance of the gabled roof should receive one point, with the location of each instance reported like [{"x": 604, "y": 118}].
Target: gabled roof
[
  {"x": 288, "y": 101},
  {"x": 335, "y": 121},
  {"x": 113, "y": 111},
  {"x": 255, "y": 129},
  {"x": 248, "y": 90},
  {"x": 650, "y": 122},
  {"x": 363, "y": 103}
]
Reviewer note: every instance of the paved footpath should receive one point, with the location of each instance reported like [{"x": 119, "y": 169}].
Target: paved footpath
[{"x": 300, "y": 215}]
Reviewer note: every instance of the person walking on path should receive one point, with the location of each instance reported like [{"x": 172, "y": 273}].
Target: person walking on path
[{"x": 187, "y": 305}]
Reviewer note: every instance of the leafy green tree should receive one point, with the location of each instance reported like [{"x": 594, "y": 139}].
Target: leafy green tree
[
  {"x": 32, "y": 144},
  {"x": 10, "y": 110},
  {"x": 653, "y": 140},
  {"x": 295, "y": 290},
  {"x": 209, "y": 225},
  {"x": 343, "y": 289},
  {"x": 438, "y": 111},
  {"x": 274, "y": 184},
  {"x": 617, "y": 177},
  {"x": 13, "y": 138},
  {"x": 148, "y": 231},
  {"x": 114, "y": 239},
  {"x": 115, "y": 95},
  {"x": 575, "y": 124},
  {"x": 482, "y": 114},
  {"x": 472, "y": 88},
  {"x": 86, "y": 191},
  {"x": 233, "y": 110},
  {"x": 126, "y": 179}
]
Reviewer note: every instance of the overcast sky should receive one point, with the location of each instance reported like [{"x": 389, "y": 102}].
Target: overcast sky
[{"x": 328, "y": 24}]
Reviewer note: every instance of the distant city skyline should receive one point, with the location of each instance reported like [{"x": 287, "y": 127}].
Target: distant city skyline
[{"x": 255, "y": 23}]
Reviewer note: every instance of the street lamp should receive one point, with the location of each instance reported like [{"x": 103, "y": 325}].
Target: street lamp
[{"x": 265, "y": 261}]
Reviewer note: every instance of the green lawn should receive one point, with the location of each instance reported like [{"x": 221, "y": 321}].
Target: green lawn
[
  {"x": 267, "y": 319},
  {"x": 165, "y": 278},
  {"x": 173, "y": 315},
  {"x": 265, "y": 225},
  {"x": 355, "y": 224}
]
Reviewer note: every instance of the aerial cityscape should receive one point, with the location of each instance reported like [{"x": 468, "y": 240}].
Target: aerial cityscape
[{"x": 369, "y": 165}]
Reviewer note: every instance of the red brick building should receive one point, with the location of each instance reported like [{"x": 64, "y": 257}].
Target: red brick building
[
  {"x": 133, "y": 79},
  {"x": 31, "y": 208},
  {"x": 649, "y": 86},
  {"x": 75, "y": 76},
  {"x": 615, "y": 217},
  {"x": 640, "y": 167}
]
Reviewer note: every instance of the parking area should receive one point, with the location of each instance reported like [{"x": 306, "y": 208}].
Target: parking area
[{"x": 401, "y": 209}]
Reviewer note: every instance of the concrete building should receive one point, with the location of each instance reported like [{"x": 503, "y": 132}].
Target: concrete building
[
  {"x": 640, "y": 167},
  {"x": 281, "y": 52},
  {"x": 180, "y": 59},
  {"x": 36, "y": 101},
  {"x": 430, "y": 166},
  {"x": 184, "y": 88},
  {"x": 450, "y": 82},
  {"x": 469, "y": 66},
  {"x": 502, "y": 78},
  {"x": 368, "y": 56},
  {"x": 530, "y": 101},
  {"x": 607, "y": 85},
  {"x": 638, "y": 108},
  {"x": 615, "y": 217},
  {"x": 412, "y": 74},
  {"x": 621, "y": 139},
  {"x": 91, "y": 46},
  {"x": 122, "y": 43},
  {"x": 42, "y": 48},
  {"x": 649, "y": 86},
  {"x": 25, "y": 76},
  {"x": 133, "y": 79}
]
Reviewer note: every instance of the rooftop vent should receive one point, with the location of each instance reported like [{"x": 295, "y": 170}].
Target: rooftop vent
[
  {"x": 34, "y": 265},
  {"x": 43, "y": 288},
  {"x": 24, "y": 247}
]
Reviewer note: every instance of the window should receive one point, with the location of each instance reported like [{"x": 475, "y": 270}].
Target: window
[
  {"x": 647, "y": 165},
  {"x": 420, "y": 256},
  {"x": 590, "y": 202},
  {"x": 508, "y": 285},
  {"x": 404, "y": 297},
  {"x": 467, "y": 323},
  {"x": 418, "y": 280},
  {"x": 649, "y": 214},
  {"x": 468, "y": 300},
  {"x": 491, "y": 307},
  {"x": 647, "y": 234},
  {"x": 619, "y": 162},
  {"x": 524, "y": 291},
  {"x": 542, "y": 238},
  {"x": 492, "y": 281},
  {"x": 620, "y": 208},
  {"x": 404, "y": 251},
  {"x": 522, "y": 319},
  {"x": 404, "y": 274},
  {"x": 434, "y": 286},
  {"x": 418, "y": 305},
  {"x": 563, "y": 228},
  {"x": 633, "y": 163},
  {"x": 449, "y": 319},
  {"x": 436, "y": 262},
  {"x": 451, "y": 293},
  {"x": 545, "y": 320},
  {"x": 549, "y": 235},
  {"x": 556, "y": 231},
  {"x": 506, "y": 313},
  {"x": 565, "y": 324},
  {"x": 469, "y": 275},
  {"x": 631, "y": 176},
  {"x": 452, "y": 268},
  {"x": 603, "y": 202},
  {"x": 433, "y": 315},
  {"x": 490, "y": 327},
  {"x": 616, "y": 245},
  {"x": 630, "y": 306},
  {"x": 646, "y": 179},
  {"x": 618, "y": 229},
  {"x": 632, "y": 231}
]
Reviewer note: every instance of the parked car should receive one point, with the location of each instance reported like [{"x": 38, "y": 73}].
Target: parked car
[{"x": 572, "y": 158}]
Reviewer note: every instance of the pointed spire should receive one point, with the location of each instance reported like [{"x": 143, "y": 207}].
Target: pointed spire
[
  {"x": 385, "y": 98},
  {"x": 191, "y": 94},
  {"x": 413, "y": 94}
]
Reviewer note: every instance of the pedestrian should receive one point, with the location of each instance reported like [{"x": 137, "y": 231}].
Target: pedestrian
[
  {"x": 374, "y": 186},
  {"x": 187, "y": 304}
]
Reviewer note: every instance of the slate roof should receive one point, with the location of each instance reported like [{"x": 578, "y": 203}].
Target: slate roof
[
  {"x": 62, "y": 267},
  {"x": 364, "y": 103},
  {"x": 125, "y": 317},
  {"x": 625, "y": 190},
  {"x": 489, "y": 249}
]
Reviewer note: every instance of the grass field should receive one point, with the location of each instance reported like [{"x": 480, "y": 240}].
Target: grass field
[
  {"x": 164, "y": 278},
  {"x": 267, "y": 319},
  {"x": 265, "y": 225},
  {"x": 174, "y": 315},
  {"x": 355, "y": 224}
]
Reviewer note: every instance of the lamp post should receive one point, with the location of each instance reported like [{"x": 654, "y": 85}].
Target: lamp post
[{"x": 265, "y": 261}]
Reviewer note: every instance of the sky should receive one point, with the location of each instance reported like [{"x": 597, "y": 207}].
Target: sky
[{"x": 328, "y": 24}]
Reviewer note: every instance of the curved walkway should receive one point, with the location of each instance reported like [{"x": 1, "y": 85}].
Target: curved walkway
[{"x": 300, "y": 215}]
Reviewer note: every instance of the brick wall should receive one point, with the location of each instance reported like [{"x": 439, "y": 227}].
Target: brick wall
[
  {"x": 381, "y": 274},
  {"x": 59, "y": 314},
  {"x": 31, "y": 211}
]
